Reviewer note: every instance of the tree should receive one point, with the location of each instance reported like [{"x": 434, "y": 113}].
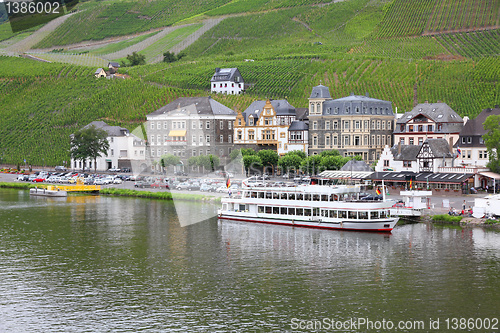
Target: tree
[
  {"x": 252, "y": 162},
  {"x": 492, "y": 141},
  {"x": 290, "y": 162},
  {"x": 332, "y": 152},
  {"x": 169, "y": 159},
  {"x": 171, "y": 57},
  {"x": 333, "y": 162},
  {"x": 299, "y": 153},
  {"x": 89, "y": 142},
  {"x": 268, "y": 158},
  {"x": 312, "y": 164},
  {"x": 136, "y": 59}
]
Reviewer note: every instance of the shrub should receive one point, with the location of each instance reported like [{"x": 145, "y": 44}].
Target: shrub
[{"x": 446, "y": 218}]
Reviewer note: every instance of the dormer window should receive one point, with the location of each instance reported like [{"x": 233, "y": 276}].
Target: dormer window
[{"x": 357, "y": 109}]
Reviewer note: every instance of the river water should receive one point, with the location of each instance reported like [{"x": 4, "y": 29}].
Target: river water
[{"x": 100, "y": 264}]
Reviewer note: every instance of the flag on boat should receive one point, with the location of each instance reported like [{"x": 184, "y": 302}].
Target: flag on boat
[
  {"x": 459, "y": 152},
  {"x": 411, "y": 183},
  {"x": 228, "y": 182},
  {"x": 378, "y": 191}
]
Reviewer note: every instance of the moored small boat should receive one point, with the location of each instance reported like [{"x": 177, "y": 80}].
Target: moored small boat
[{"x": 48, "y": 192}]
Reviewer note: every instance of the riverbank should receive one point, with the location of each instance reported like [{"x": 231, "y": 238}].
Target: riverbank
[
  {"x": 158, "y": 195},
  {"x": 461, "y": 221}
]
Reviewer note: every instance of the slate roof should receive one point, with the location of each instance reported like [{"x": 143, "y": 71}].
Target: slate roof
[
  {"x": 474, "y": 127},
  {"x": 114, "y": 64},
  {"x": 320, "y": 91},
  {"x": 227, "y": 74},
  {"x": 111, "y": 130},
  {"x": 437, "y": 112},
  {"x": 301, "y": 113},
  {"x": 281, "y": 107},
  {"x": 298, "y": 125},
  {"x": 98, "y": 71},
  {"x": 202, "y": 105},
  {"x": 456, "y": 178},
  {"x": 408, "y": 152},
  {"x": 439, "y": 147},
  {"x": 356, "y": 165},
  {"x": 356, "y": 104}
]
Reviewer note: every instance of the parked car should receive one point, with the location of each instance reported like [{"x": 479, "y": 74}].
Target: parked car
[
  {"x": 194, "y": 187},
  {"x": 114, "y": 170},
  {"x": 60, "y": 168},
  {"x": 371, "y": 197},
  {"x": 160, "y": 185},
  {"x": 183, "y": 186},
  {"x": 205, "y": 188},
  {"x": 142, "y": 184},
  {"x": 23, "y": 177},
  {"x": 117, "y": 180}
]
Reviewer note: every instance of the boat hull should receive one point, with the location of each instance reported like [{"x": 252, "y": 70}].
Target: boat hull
[
  {"x": 385, "y": 225},
  {"x": 48, "y": 193}
]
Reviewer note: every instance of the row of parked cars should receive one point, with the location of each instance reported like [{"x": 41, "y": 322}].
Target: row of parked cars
[{"x": 71, "y": 178}]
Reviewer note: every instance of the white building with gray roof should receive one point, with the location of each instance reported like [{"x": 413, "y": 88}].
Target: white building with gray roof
[
  {"x": 126, "y": 150},
  {"x": 428, "y": 121},
  {"x": 227, "y": 81}
]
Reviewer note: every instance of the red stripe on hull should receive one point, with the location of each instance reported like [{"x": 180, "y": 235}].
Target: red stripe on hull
[{"x": 302, "y": 225}]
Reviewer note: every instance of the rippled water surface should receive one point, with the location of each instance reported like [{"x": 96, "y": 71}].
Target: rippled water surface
[{"x": 98, "y": 264}]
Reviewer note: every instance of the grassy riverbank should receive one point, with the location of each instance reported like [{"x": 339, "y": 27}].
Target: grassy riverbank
[
  {"x": 158, "y": 195},
  {"x": 19, "y": 186}
]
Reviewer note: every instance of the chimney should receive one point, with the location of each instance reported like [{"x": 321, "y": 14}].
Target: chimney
[
  {"x": 217, "y": 69},
  {"x": 399, "y": 147},
  {"x": 367, "y": 95}
]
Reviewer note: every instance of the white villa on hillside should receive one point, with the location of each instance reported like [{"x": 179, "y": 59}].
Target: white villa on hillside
[{"x": 227, "y": 81}]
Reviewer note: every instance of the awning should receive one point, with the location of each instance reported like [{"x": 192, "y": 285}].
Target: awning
[
  {"x": 177, "y": 133},
  {"x": 490, "y": 174}
]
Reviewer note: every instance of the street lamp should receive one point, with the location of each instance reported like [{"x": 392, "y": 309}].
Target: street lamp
[{"x": 43, "y": 167}]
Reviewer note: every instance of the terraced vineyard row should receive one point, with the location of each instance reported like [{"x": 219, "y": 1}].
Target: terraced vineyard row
[
  {"x": 413, "y": 18},
  {"x": 473, "y": 44}
]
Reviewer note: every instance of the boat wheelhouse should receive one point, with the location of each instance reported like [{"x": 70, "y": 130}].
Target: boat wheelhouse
[{"x": 313, "y": 206}]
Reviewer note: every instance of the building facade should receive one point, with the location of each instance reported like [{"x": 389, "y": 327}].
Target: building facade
[
  {"x": 353, "y": 125},
  {"x": 126, "y": 150},
  {"x": 191, "y": 126},
  {"x": 470, "y": 148},
  {"x": 227, "y": 81},
  {"x": 428, "y": 121},
  {"x": 271, "y": 124}
]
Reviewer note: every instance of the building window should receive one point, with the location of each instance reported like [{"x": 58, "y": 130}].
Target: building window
[
  {"x": 193, "y": 139},
  {"x": 383, "y": 140},
  {"x": 402, "y": 141},
  {"x": 378, "y": 124},
  {"x": 208, "y": 138},
  {"x": 165, "y": 138},
  {"x": 229, "y": 124},
  {"x": 440, "y": 127},
  {"x": 386, "y": 163},
  {"x": 315, "y": 141},
  {"x": 158, "y": 125},
  {"x": 208, "y": 125},
  {"x": 221, "y": 124},
  {"x": 407, "y": 164},
  {"x": 239, "y": 122},
  {"x": 373, "y": 124},
  {"x": 335, "y": 125},
  {"x": 411, "y": 141},
  {"x": 420, "y": 141},
  {"x": 152, "y": 125},
  {"x": 282, "y": 135},
  {"x": 165, "y": 125},
  {"x": 250, "y": 121},
  {"x": 463, "y": 140},
  {"x": 346, "y": 140},
  {"x": 429, "y": 128},
  {"x": 221, "y": 138},
  {"x": 201, "y": 139},
  {"x": 469, "y": 139},
  {"x": 357, "y": 123},
  {"x": 229, "y": 138},
  {"x": 388, "y": 125},
  {"x": 315, "y": 125},
  {"x": 357, "y": 140},
  {"x": 410, "y": 128},
  {"x": 346, "y": 125},
  {"x": 327, "y": 141},
  {"x": 327, "y": 125},
  {"x": 251, "y": 135},
  {"x": 335, "y": 141},
  {"x": 112, "y": 152},
  {"x": 365, "y": 125},
  {"x": 201, "y": 125},
  {"x": 378, "y": 140}
]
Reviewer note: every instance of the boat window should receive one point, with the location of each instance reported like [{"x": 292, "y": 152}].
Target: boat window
[
  {"x": 283, "y": 211},
  {"x": 307, "y": 212},
  {"x": 373, "y": 215},
  {"x": 261, "y": 195},
  {"x": 268, "y": 210},
  {"x": 224, "y": 207},
  {"x": 382, "y": 214},
  {"x": 276, "y": 195},
  {"x": 315, "y": 197},
  {"x": 268, "y": 195},
  {"x": 276, "y": 210},
  {"x": 300, "y": 211},
  {"x": 333, "y": 213},
  {"x": 363, "y": 215},
  {"x": 300, "y": 197},
  {"x": 243, "y": 208},
  {"x": 247, "y": 194},
  {"x": 352, "y": 215},
  {"x": 254, "y": 194},
  {"x": 324, "y": 213},
  {"x": 283, "y": 196},
  {"x": 261, "y": 209},
  {"x": 324, "y": 197},
  {"x": 307, "y": 197},
  {"x": 333, "y": 197},
  {"x": 316, "y": 211},
  {"x": 291, "y": 196},
  {"x": 291, "y": 211},
  {"x": 342, "y": 214}
]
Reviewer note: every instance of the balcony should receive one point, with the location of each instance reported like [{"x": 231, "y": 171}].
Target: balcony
[{"x": 176, "y": 142}]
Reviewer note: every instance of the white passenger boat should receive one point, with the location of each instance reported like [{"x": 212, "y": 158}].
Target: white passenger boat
[
  {"x": 48, "y": 192},
  {"x": 313, "y": 206}
]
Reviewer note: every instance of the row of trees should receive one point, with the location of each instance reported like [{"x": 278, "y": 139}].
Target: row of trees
[{"x": 294, "y": 162}]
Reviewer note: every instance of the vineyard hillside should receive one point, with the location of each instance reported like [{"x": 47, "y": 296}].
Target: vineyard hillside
[{"x": 403, "y": 51}]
